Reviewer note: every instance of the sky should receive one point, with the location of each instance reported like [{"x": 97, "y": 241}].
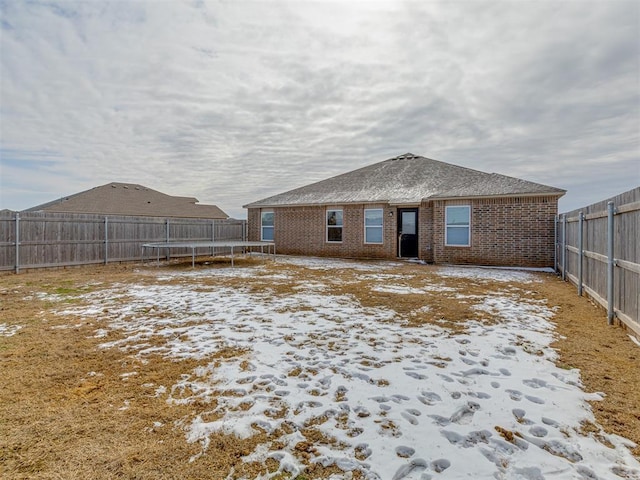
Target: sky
[{"x": 234, "y": 101}]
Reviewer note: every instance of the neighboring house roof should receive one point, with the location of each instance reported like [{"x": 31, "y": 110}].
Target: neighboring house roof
[
  {"x": 406, "y": 179},
  {"x": 130, "y": 199}
]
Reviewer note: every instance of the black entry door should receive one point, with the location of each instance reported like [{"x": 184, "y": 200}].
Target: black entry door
[{"x": 408, "y": 232}]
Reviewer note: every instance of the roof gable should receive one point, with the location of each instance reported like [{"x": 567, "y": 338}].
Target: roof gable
[
  {"x": 131, "y": 199},
  {"x": 407, "y": 179}
]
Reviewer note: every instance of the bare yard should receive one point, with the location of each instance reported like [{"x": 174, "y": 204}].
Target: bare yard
[{"x": 311, "y": 368}]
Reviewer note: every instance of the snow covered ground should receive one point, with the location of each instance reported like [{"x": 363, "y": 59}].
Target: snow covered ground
[{"x": 393, "y": 402}]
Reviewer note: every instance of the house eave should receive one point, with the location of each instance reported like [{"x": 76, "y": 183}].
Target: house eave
[
  {"x": 483, "y": 197},
  {"x": 322, "y": 204},
  {"x": 404, "y": 203}
]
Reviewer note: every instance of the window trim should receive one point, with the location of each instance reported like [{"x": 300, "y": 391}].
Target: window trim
[
  {"x": 327, "y": 226},
  {"x": 381, "y": 226},
  {"x": 447, "y": 226},
  {"x": 272, "y": 227}
]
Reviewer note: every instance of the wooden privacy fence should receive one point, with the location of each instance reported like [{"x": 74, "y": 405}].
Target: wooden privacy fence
[
  {"x": 41, "y": 240},
  {"x": 598, "y": 249}
]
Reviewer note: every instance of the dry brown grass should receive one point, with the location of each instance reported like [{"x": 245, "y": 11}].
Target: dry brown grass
[{"x": 58, "y": 420}]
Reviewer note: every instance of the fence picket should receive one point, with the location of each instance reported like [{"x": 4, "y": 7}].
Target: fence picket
[
  {"x": 599, "y": 250},
  {"x": 40, "y": 240}
]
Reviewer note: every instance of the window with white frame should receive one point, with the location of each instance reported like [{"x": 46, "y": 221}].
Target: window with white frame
[
  {"x": 373, "y": 224},
  {"x": 334, "y": 225},
  {"x": 266, "y": 226},
  {"x": 458, "y": 226}
]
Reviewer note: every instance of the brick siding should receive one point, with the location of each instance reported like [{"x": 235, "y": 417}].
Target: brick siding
[{"x": 504, "y": 231}]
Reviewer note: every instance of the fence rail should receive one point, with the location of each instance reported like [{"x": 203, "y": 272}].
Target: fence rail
[
  {"x": 598, "y": 250},
  {"x": 42, "y": 240}
]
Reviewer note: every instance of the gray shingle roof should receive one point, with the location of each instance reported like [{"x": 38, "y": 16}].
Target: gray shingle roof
[
  {"x": 406, "y": 179},
  {"x": 130, "y": 199}
]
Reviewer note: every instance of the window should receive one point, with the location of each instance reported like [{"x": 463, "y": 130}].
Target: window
[
  {"x": 334, "y": 225},
  {"x": 458, "y": 226},
  {"x": 373, "y": 225},
  {"x": 266, "y": 226}
]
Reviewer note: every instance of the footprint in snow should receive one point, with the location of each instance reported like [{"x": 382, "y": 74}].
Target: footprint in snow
[
  {"x": 467, "y": 441},
  {"x": 536, "y": 383},
  {"x": 533, "y": 399},
  {"x": 520, "y": 416},
  {"x": 514, "y": 394},
  {"x": 380, "y": 399},
  {"x": 413, "y": 465},
  {"x": 416, "y": 375},
  {"x": 362, "y": 451},
  {"x": 586, "y": 473},
  {"x": 475, "y": 371},
  {"x": 463, "y": 415},
  {"x": 529, "y": 473},
  {"x": 248, "y": 379},
  {"x": 429, "y": 398},
  {"x": 440, "y": 420},
  {"x": 404, "y": 451},
  {"x": 555, "y": 447},
  {"x": 479, "y": 395},
  {"x": 538, "y": 431},
  {"x": 508, "y": 350},
  {"x": 399, "y": 398},
  {"x": 409, "y": 418}
]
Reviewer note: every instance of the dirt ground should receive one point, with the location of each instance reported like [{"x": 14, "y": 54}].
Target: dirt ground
[{"x": 57, "y": 421}]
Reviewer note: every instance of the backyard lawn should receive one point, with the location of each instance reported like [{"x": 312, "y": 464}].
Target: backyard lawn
[{"x": 307, "y": 368}]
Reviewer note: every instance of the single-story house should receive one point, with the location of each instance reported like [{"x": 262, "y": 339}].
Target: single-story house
[
  {"x": 415, "y": 207},
  {"x": 130, "y": 199}
]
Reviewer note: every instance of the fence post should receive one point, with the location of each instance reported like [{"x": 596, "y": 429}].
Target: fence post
[
  {"x": 17, "y": 242},
  {"x": 555, "y": 243},
  {"x": 580, "y": 251},
  {"x": 167, "y": 240},
  {"x": 213, "y": 236},
  {"x": 106, "y": 240},
  {"x": 610, "y": 263},
  {"x": 564, "y": 247}
]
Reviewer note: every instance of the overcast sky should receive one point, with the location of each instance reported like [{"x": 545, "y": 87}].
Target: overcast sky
[{"x": 234, "y": 101}]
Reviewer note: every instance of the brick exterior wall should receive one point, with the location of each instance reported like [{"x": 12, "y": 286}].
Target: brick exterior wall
[
  {"x": 302, "y": 231},
  {"x": 504, "y": 232}
]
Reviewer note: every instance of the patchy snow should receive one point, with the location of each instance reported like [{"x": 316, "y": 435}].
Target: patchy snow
[
  {"x": 493, "y": 274},
  {"x": 402, "y": 403},
  {"x": 9, "y": 330},
  {"x": 398, "y": 289},
  {"x": 316, "y": 263}
]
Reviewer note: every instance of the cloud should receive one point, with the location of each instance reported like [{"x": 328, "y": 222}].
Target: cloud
[{"x": 233, "y": 101}]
